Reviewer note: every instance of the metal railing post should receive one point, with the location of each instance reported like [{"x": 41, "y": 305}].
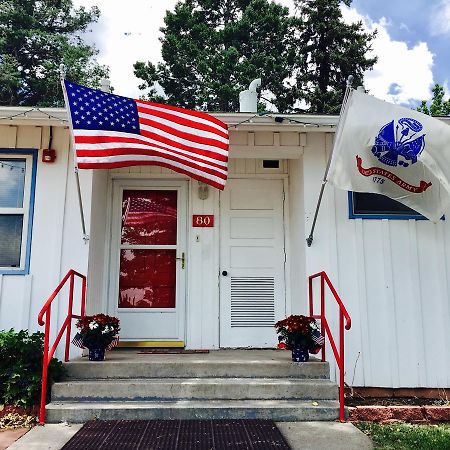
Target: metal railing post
[
  {"x": 341, "y": 368},
  {"x": 69, "y": 315},
  {"x": 45, "y": 367},
  {"x": 322, "y": 312}
]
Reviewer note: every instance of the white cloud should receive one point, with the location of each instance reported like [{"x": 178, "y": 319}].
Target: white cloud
[
  {"x": 440, "y": 18},
  {"x": 127, "y": 32},
  {"x": 401, "y": 74}
]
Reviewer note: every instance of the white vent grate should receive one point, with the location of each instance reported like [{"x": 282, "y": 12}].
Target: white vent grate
[{"x": 252, "y": 302}]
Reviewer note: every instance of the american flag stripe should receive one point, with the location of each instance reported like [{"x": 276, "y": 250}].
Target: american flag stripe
[
  {"x": 109, "y": 163},
  {"x": 164, "y": 129},
  {"x": 182, "y": 123},
  {"x": 87, "y": 137},
  {"x": 196, "y": 116},
  {"x": 105, "y": 156},
  {"x": 123, "y": 149},
  {"x": 112, "y": 131}
]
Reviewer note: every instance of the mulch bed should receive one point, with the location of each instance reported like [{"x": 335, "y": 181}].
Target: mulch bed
[{"x": 178, "y": 435}]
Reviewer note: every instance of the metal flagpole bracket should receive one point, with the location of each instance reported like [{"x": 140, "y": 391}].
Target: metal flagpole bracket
[{"x": 309, "y": 239}]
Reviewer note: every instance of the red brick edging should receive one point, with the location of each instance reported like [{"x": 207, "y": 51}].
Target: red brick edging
[{"x": 413, "y": 414}]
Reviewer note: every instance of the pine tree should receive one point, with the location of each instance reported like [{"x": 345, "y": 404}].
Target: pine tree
[
  {"x": 331, "y": 50},
  {"x": 36, "y": 36},
  {"x": 438, "y": 106},
  {"x": 212, "y": 50}
]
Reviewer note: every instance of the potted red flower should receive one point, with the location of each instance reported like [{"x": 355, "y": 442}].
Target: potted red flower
[
  {"x": 301, "y": 335},
  {"x": 97, "y": 333}
]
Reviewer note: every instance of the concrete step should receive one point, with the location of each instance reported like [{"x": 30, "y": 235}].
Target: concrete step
[
  {"x": 182, "y": 367},
  {"x": 278, "y": 410},
  {"x": 195, "y": 389}
]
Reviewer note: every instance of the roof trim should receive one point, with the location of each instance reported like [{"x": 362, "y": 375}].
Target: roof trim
[{"x": 24, "y": 115}]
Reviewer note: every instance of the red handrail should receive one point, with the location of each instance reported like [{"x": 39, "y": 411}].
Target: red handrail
[
  {"x": 66, "y": 326},
  {"x": 325, "y": 329}
]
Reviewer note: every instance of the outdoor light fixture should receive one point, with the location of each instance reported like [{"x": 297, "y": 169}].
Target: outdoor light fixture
[{"x": 203, "y": 191}]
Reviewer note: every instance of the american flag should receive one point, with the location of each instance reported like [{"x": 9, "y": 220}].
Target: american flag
[
  {"x": 77, "y": 341},
  {"x": 139, "y": 210},
  {"x": 111, "y": 131},
  {"x": 317, "y": 337}
]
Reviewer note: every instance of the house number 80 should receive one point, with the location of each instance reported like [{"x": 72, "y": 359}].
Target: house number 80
[{"x": 203, "y": 220}]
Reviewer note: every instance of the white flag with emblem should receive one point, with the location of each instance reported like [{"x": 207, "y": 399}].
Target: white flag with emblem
[{"x": 394, "y": 151}]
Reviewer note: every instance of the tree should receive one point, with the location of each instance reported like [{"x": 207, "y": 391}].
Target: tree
[
  {"x": 438, "y": 106},
  {"x": 36, "y": 36},
  {"x": 331, "y": 51},
  {"x": 212, "y": 50}
]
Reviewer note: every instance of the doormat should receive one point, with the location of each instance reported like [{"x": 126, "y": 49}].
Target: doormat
[
  {"x": 178, "y": 435},
  {"x": 170, "y": 351}
]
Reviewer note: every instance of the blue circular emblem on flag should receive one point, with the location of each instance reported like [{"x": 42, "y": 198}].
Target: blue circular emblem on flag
[{"x": 399, "y": 144}]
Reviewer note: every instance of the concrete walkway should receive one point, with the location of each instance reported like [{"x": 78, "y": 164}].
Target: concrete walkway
[{"x": 300, "y": 436}]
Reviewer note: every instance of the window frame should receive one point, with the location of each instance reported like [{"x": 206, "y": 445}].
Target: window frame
[
  {"x": 353, "y": 215},
  {"x": 27, "y": 209}
]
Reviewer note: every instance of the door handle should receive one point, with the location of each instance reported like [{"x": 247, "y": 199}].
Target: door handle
[
  {"x": 182, "y": 260},
  {"x": 224, "y": 273}
]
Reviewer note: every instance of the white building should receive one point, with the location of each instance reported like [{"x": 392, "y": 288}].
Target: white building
[{"x": 223, "y": 285}]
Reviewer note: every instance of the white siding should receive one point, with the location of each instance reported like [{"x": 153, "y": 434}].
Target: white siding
[
  {"x": 393, "y": 278},
  {"x": 393, "y": 275},
  {"x": 57, "y": 243}
]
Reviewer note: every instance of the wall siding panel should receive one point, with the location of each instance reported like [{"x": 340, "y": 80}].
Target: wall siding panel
[{"x": 393, "y": 277}]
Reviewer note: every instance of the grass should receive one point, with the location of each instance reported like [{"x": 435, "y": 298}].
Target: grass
[{"x": 403, "y": 436}]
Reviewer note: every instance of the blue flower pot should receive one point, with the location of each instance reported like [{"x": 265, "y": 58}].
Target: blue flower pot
[
  {"x": 96, "y": 354},
  {"x": 300, "y": 354}
]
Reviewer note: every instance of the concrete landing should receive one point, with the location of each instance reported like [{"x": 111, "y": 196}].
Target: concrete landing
[{"x": 300, "y": 436}]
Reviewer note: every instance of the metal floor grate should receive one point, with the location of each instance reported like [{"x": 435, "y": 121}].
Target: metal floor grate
[{"x": 178, "y": 435}]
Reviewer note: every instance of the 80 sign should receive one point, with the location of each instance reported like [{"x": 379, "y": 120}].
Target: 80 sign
[{"x": 203, "y": 220}]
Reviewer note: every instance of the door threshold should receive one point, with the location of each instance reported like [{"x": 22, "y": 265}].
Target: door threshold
[{"x": 157, "y": 344}]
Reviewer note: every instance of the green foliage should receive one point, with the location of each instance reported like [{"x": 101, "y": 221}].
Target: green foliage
[
  {"x": 213, "y": 49},
  {"x": 36, "y": 36},
  {"x": 406, "y": 437},
  {"x": 21, "y": 367},
  {"x": 438, "y": 106},
  {"x": 331, "y": 51}
]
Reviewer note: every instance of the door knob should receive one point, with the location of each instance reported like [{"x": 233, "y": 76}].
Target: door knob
[{"x": 224, "y": 273}]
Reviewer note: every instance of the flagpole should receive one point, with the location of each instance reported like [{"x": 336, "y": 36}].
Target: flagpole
[
  {"x": 310, "y": 238},
  {"x": 62, "y": 76}
]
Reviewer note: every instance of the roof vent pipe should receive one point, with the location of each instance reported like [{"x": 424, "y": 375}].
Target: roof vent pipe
[{"x": 248, "y": 100}]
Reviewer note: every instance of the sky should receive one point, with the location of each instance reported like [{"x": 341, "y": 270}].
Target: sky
[{"x": 411, "y": 44}]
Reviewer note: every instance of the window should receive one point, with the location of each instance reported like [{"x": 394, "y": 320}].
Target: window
[
  {"x": 363, "y": 205},
  {"x": 17, "y": 180}
]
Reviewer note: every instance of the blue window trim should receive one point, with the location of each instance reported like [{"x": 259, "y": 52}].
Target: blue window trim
[
  {"x": 352, "y": 215},
  {"x": 34, "y": 153}
]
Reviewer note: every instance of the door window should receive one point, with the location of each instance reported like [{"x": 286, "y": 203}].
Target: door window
[{"x": 148, "y": 249}]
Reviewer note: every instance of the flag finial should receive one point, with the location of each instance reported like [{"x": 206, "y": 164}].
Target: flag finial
[{"x": 62, "y": 71}]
